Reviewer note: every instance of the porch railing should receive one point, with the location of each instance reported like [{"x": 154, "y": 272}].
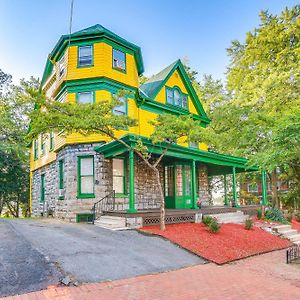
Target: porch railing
[
  {"x": 107, "y": 203},
  {"x": 292, "y": 253}
]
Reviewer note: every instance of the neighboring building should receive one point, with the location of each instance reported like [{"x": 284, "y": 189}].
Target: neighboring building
[{"x": 70, "y": 173}]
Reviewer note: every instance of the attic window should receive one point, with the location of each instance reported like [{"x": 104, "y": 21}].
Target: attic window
[
  {"x": 85, "y": 56},
  {"x": 176, "y": 97},
  {"x": 119, "y": 60}
]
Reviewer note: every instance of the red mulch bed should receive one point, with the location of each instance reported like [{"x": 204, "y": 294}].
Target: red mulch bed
[
  {"x": 296, "y": 225},
  {"x": 233, "y": 242}
]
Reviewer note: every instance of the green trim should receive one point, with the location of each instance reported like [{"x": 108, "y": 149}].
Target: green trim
[
  {"x": 112, "y": 53},
  {"x": 235, "y": 198},
  {"x": 47, "y": 71},
  {"x": 194, "y": 185},
  {"x": 225, "y": 191},
  {"x": 264, "y": 189},
  {"x": 51, "y": 141},
  {"x": 89, "y": 65},
  {"x": 79, "y": 194},
  {"x": 35, "y": 150},
  {"x": 86, "y": 91},
  {"x": 42, "y": 198},
  {"x": 131, "y": 182},
  {"x": 61, "y": 174},
  {"x": 43, "y": 146}
]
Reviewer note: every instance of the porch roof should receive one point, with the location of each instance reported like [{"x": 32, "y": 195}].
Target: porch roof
[{"x": 218, "y": 164}]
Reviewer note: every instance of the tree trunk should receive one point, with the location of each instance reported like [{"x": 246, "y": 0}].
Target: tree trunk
[
  {"x": 275, "y": 198},
  {"x": 162, "y": 202}
]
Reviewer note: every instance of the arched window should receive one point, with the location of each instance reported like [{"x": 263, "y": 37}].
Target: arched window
[{"x": 174, "y": 96}]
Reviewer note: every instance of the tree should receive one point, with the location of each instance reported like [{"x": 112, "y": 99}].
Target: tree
[{"x": 98, "y": 118}]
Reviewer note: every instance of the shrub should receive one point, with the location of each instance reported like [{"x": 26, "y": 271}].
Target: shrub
[
  {"x": 275, "y": 214},
  {"x": 297, "y": 216},
  {"x": 259, "y": 213},
  {"x": 248, "y": 224},
  {"x": 206, "y": 220},
  {"x": 289, "y": 218},
  {"x": 214, "y": 226}
]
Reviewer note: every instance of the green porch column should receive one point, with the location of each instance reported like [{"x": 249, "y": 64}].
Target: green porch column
[
  {"x": 225, "y": 191},
  {"x": 264, "y": 188},
  {"x": 234, "y": 187},
  {"x": 194, "y": 185},
  {"x": 131, "y": 182}
]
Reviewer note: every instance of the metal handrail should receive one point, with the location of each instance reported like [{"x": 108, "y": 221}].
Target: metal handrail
[
  {"x": 105, "y": 204},
  {"x": 293, "y": 253}
]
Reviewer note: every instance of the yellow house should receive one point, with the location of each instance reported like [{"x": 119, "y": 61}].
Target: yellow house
[{"x": 71, "y": 173}]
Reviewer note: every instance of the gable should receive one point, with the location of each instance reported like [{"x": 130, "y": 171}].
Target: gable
[{"x": 174, "y": 77}]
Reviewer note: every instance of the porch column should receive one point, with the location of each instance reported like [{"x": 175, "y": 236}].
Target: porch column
[
  {"x": 225, "y": 191},
  {"x": 264, "y": 188},
  {"x": 131, "y": 182},
  {"x": 194, "y": 185},
  {"x": 235, "y": 202}
]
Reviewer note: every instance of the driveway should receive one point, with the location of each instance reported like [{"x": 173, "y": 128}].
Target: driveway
[{"x": 35, "y": 253}]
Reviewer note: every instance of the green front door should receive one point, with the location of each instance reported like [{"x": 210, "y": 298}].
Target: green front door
[{"x": 178, "y": 186}]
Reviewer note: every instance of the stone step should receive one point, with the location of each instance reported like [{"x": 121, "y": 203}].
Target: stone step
[
  {"x": 237, "y": 217},
  {"x": 295, "y": 237},
  {"x": 114, "y": 228},
  {"x": 289, "y": 232},
  {"x": 280, "y": 228},
  {"x": 111, "y": 222},
  {"x": 231, "y": 214}
]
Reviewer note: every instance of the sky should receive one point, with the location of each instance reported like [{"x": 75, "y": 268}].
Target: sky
[{"x": 166, "y": 30}]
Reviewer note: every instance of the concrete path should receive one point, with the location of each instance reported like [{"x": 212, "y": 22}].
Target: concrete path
[
  {"x": 84, "y": 252},
  {"x": 257, "y": 278}
]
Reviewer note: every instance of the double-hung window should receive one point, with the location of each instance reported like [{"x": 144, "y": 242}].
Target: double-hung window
[
  {"x": 85, "y": 56},
  {"x": 119, "y": 178},
  {"x": 43, "y": 145},
  {"x": 36, "y": 149},
  {"x": 119, "y": 60},
  {"x": 121, "y": 109},
  {"x": 86, "y": 177},
  {"x": 85, "y": 97}
]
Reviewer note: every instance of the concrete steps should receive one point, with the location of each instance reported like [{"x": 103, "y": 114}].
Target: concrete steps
[
  {"x": 233, "y": 217},
  {"x": 112, "y": 223},
  {"x": 287, "y": 232}
]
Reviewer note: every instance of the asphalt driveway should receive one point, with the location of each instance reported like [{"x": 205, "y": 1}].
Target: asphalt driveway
[{"x": 36, "y": 253}]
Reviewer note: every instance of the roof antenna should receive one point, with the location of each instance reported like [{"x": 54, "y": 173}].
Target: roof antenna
[{"x": 71, "y": 20}]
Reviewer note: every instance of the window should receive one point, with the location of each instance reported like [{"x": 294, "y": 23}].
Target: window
[
  {"x": 193, "y": 145},
  {"x": 35, "y": 150},
  {"x": 51, "y": 141},
  {"x": 176, "y": 97},
  {"x": 42, "y": 199},
  {"x": 119, "y": 178},
  {"x": 85, "y": 56},
  {"x": 62, "y": 98},
  {"x": 169, "y": 181},
  {"x": 85, "y": 97},
  {"x": 43, "y": 146},
  {"x": 61, "y": 174},
  {"x": 252, "y": 187},
  {"x": 86, "y": 177},
  {"x": 119, "y": 60},
  {"x": 120, "y": 110},
  {"x": 62, "y": 67}
]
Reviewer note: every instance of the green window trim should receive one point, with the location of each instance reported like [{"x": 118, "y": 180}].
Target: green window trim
[
  {"x": 182, "y": 95},
  {"x": 42, "y": 198},
  {"x": 125, "y": 178},
  {"x": 61, "y": 177},
  {"x": 35, "y": 150},
  {"x": 82, "y": 92},
  {"x": 79, "y": 176},
  {"x": 114, "y": 60},
  {"x": 51, "y": 141},
  {"x": 78, "y": 57}
]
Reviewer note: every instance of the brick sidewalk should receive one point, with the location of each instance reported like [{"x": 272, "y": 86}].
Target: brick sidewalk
[{"x": 260, "y": 277}]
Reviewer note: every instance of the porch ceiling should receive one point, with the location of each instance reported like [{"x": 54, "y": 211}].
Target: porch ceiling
[{"x": 218, "y": 164}]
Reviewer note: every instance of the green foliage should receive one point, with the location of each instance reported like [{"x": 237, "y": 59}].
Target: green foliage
[
  {"x": 289, "y": 218},
  {"x": 248, "y": 224},
  {"x": 275, "y": 214},
  {"x": 259, "y": 213},
  {"x": 297, "y": 216},
  {"x": 206, "y": 220},
  {"x": 214, "y": 226}
]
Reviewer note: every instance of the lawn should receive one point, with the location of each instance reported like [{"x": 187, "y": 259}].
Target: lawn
[{"x": 233, "y": 242}]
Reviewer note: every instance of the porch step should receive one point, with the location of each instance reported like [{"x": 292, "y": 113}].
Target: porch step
[
  {"x": 280, "y": 228},
  {"x": 287, "y": 232},
  {"x": 111, "y": 222},
  {"x": 234, "y": 217}
]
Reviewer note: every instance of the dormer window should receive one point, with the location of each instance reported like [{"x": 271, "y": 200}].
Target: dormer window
[
  {"x": 119, "y": 60},
  {"x": 176, "y": 97},
  {"x": 85, "y": 56}
]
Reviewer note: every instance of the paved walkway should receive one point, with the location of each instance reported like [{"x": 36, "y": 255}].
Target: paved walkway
[{"x": 260, "y": 277}]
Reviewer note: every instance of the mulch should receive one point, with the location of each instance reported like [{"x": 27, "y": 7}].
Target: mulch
[
  {"x": 231, "y": 243},
  {"x": 296, "y": 225}
]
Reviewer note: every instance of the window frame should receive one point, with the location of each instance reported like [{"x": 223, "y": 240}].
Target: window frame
[
  {"x": 125, "y": 104},
  {"x": 85, "y": 92},
  {"x": 125, "y": 177},
  {"x": 61, "y": 67},
  {"x": 36, "y": 149},
  {"x": 43, "y": 146},
  {"x": 79, "y": 176},
  {"x": 125, "y": 60},
  {"x": 51, "y": 141},
  {"x": 172, "y": 90},
  {"x": 92, "y": 55}
]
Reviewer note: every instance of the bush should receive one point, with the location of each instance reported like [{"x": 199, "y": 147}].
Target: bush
[
  {"x": 259, "y": 213},
  {"x": 275, "y": 214},
  {"x": 248, "y": 224},
  {"x": 206, "y": 220},
  {"x": 289, "y": 218},
  {"x": 214, "y": 226},
  {"x": 297, "y": 216}
]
